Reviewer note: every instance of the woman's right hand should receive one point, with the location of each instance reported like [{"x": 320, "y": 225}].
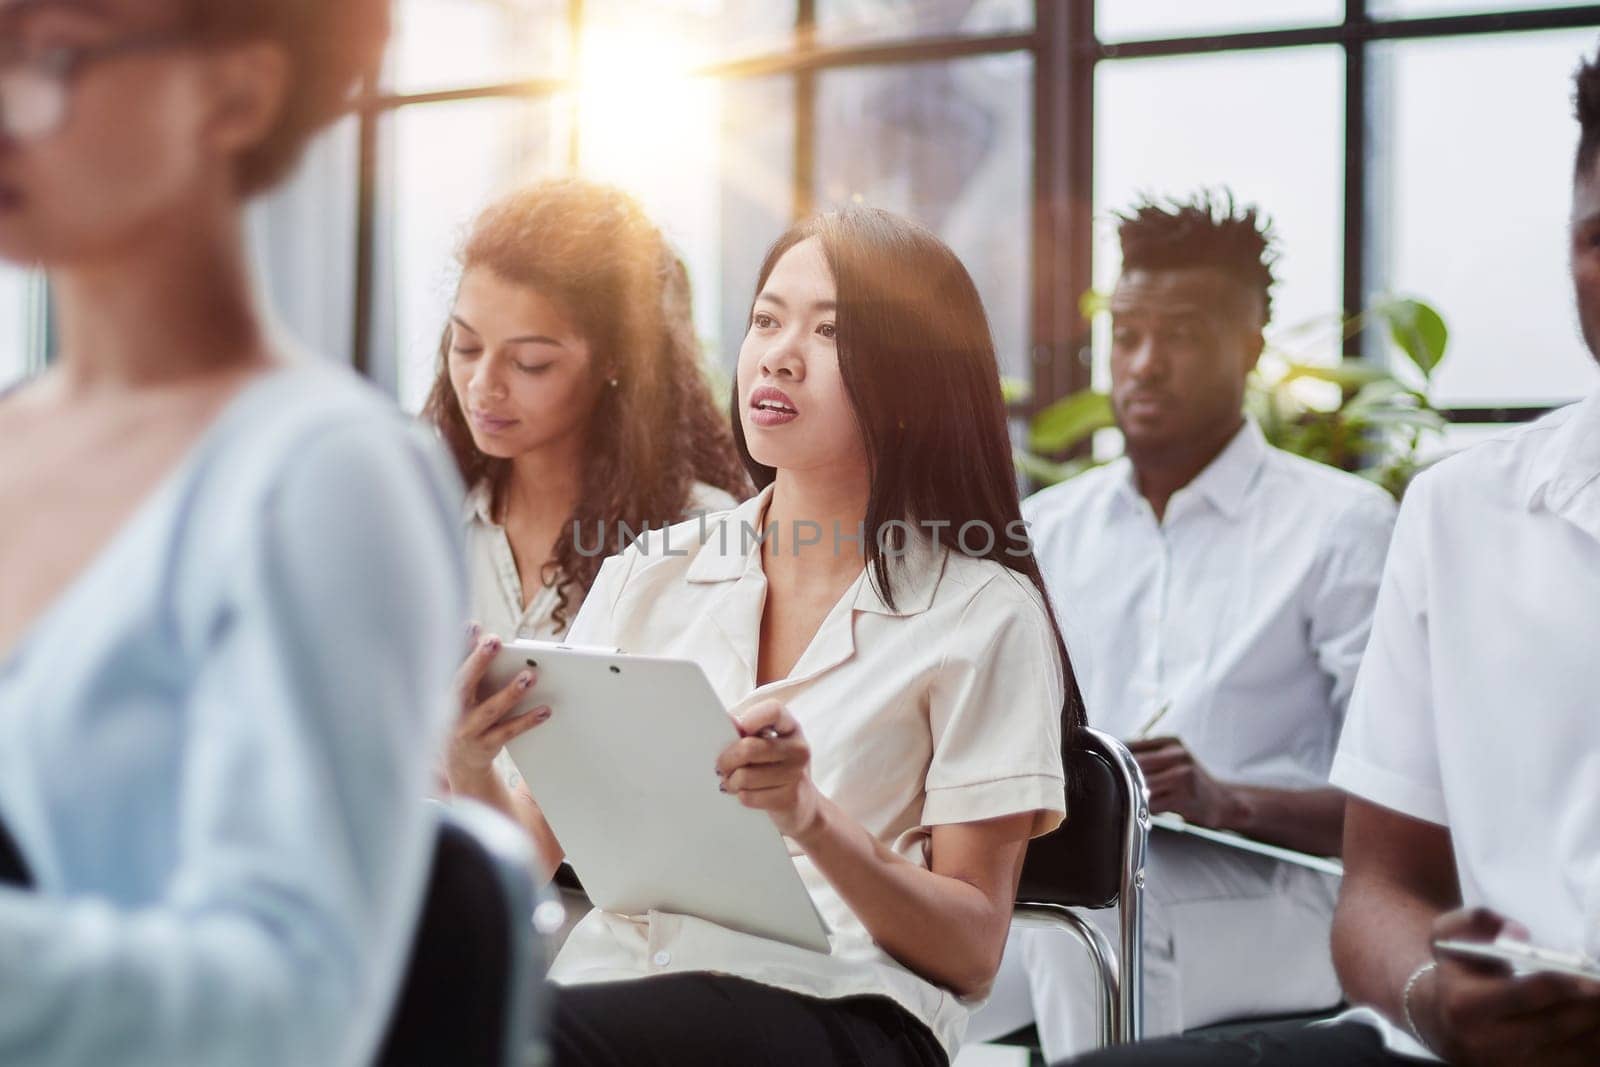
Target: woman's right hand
[{"x": 485, "y": 726}]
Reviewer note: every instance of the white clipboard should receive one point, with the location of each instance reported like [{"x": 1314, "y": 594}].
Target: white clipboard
[
  {"x": 1175, "y": 823},
  {"x": 625, "y": 772}
]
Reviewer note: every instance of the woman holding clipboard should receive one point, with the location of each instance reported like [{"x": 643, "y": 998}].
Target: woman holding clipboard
[
  {"x": 570, "y": 393},
  {"x": 899, "y": 680}
]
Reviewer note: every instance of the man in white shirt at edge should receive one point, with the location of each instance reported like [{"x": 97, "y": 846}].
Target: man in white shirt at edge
[
  {"x": 1218, "y": 593},
  {"x": 1473, "y": 751}
]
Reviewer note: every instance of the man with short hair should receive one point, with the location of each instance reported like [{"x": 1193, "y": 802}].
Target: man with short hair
[
  {"x": 1217, "y": 594},
  {"x": 1472, "y": 754}
]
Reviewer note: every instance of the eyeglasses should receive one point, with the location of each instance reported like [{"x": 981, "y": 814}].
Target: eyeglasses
[{"x": 36, "y": 90}]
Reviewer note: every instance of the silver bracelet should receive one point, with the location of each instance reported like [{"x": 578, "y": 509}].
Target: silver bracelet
[{"x": 1405, "y": 1000}]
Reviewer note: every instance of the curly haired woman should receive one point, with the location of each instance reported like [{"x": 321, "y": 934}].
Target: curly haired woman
[{"x": 571, "y": 392}]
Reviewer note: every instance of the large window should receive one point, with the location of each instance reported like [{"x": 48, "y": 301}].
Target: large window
[
  {"x": 1400, "y": 146},
  {"x": 1133, "y": 20},
  {"x": 950, "y": 144},
  {"x": 1473, "y": 199},
  {"x": 1417, "y": 8},
  {"x": 303, "y": 237},
  {"x": 1412, "y": 147},
  {"x": 854, "y": 21},
  {"x": 441, "y": 164},
  {"x": 1175, "y": 125},
  {"x": 451, "y": 44},
  {"x": 711, "y": 159},
  {"x": 725, "y": 123},
  {"x": 1416, "y": 147}
]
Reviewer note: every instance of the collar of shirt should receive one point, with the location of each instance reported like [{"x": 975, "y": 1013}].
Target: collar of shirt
[
  {"x": 479, "y": 504},
  {"x": 1567, "y": 465},
  {"x": 1224, "y": 483},
  {"x": 497, "y": 590},
  {"x": 731, "y": 552}
]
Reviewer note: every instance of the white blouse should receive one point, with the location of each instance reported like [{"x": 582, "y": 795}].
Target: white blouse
[{"x": 944, "y": 709}]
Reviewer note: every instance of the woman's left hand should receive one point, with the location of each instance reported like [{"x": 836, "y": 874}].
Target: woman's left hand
[{"x": 769, "y": 768}]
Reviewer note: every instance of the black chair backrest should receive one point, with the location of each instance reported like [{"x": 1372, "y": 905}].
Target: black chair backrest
[
  {"x": 13, "y": 871},
  {"x": 452, "y": 1006},
  {"x": 1079, "y": 864}
]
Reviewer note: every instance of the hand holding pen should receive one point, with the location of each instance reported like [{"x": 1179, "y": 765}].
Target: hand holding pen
[{"x": 769, "y": 767}]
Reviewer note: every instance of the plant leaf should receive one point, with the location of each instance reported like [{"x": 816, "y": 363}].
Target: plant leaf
[
  {"x": 1418, "y": 330},
  {"x": 1417, "y": 418},
  {"x": 1015, "y": 390},
  {"x": 1348, "y": 374},
  {"x": 1388, "y": 393},
  {"x": 1070, "y": 421}
]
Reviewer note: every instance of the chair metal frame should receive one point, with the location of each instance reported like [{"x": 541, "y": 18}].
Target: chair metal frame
[{"x": 1120, "y": 975}]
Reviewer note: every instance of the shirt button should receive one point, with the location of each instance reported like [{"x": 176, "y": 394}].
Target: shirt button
[{"x": 661, "y": 959}]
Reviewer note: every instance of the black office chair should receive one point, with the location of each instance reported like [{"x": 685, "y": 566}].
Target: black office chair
[
  {"x": 471, "y": 989},
  {"x": 1096, "y": 860},
  {"x": 13, "y": 871}
]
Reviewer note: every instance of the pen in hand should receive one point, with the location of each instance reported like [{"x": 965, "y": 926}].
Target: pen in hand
[
  {"x": 766, "y": 733},
  {"x": 770, "y": 732},
  {"x": 1150, "y": 723}
]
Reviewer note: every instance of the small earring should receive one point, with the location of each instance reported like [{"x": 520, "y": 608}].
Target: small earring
[{"x": 612, "y": 383}]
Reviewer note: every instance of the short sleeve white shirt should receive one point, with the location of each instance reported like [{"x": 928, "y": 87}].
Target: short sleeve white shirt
[
  {"x": 944, "y": 708},
  {"x": 1244, "y": 610},
  {"x": 1478, "y": 704}
]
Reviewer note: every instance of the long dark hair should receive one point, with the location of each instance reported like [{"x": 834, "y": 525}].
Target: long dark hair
[
  {"x": 918, "y": 363},
  {"x": 591, "y": 249}
]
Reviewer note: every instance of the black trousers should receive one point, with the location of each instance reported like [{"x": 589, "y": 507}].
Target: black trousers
[
  {"x": 711, "y": 1020},
  {"x": 1288, "y": 1045}
]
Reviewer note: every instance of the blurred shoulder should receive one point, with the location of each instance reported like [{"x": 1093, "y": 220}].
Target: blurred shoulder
[
  {"x": 1066, "y": 503},
  {"x": 1505, "y": 469},
  {"x": 319, "y": 437}
]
